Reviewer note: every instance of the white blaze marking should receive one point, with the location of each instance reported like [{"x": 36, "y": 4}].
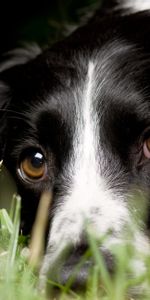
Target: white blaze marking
[{"x": 89, "y": 196}]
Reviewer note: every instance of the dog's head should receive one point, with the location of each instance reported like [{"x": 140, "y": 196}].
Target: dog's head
[{"x": 76, "y": 120}]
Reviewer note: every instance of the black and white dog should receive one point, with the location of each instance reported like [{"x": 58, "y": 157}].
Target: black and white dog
[{"x": 75, "y": 119}]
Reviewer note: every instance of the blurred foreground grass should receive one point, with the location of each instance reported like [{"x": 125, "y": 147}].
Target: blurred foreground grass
[{"x": 18, "y": 281}]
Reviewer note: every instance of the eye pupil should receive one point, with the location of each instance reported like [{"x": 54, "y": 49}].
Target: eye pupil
[{"x": 37, "y": 160}]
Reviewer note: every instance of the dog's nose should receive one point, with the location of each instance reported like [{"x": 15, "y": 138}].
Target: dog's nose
[
  {"x": 71, "y": 268},
  {"x": 75, "y": 269}
]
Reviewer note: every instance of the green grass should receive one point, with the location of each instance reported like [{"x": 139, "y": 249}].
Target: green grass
[{"x": 18, "y": 281}]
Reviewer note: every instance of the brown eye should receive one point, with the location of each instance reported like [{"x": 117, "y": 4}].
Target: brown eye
[
  {"x": 32, "y": 166},
  {"x": 146, "y": 148}
]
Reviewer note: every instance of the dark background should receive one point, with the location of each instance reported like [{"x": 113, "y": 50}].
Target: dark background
[{"x": 42, "y": 21}]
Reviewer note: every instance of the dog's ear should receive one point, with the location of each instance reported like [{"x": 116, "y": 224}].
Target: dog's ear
[{"x": 8, "y": 82}]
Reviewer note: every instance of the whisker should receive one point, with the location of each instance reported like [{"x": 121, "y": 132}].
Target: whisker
[
  {"x": 12, "y": 111},
  {"x": 17, "y": 118}
]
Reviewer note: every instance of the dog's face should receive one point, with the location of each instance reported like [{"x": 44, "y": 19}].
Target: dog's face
[{"x": 77, "y": 121}]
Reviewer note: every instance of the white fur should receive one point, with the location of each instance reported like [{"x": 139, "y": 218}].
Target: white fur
[
  {"x": 89, "y": 191},
  {"x": 134, "y": 5}
]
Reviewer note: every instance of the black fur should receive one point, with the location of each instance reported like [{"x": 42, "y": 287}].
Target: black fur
[{"x": 38, "y": 110}]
